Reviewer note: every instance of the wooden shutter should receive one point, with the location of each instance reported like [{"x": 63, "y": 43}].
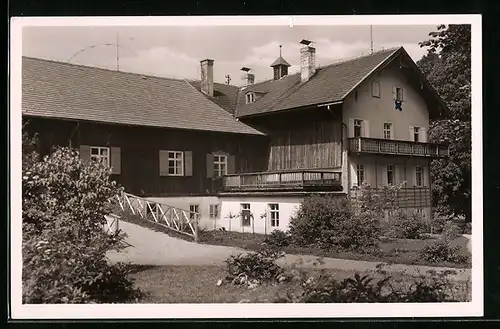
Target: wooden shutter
[
  {"x": 394, "y": 93},
  {"x": 366, "y": 128},
  {"x": 116, "y": 161},
  {"x": 399, "y": 174},
  {"x": 392, "y": 131},
  {"x": 402, "y": 95},
  {"x": 163, "y": 165},
  {"x": 412, "y": 137},
  {"x": 85, "y": 153},
  {"x": 231, "y": 165},
  {"x": 426, "y": 176},
  {"x": 210, "y": 166},
  {"x": 423, "y": 133},
  {"x": 188, "y": 163},
  {"x": 350, "y": 128}
]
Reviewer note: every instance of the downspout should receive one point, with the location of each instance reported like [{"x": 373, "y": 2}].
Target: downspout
[{"x": 73, "y": 133}]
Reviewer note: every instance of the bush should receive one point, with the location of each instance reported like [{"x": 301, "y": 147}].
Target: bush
[
  {"x": 251, "y": 267},
  {"x": 451, "y": 230},
  {"x": 278, "y": 239},
  {"x": 404, "y": 226},
  {"x": 332, "y": 223},
  {"x": 366, "y": 289},
  {"x": 442, "y": 251},
  {"x": 64, "y": 243}
]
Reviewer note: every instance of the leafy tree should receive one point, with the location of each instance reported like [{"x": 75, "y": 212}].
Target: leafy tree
[{"x": 447, "y": 66}]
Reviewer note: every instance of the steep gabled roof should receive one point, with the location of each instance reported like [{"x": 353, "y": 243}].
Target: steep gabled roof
[
  {"x": 224, "y": 95},
  {"x": 66, "y": 91},
  {"x": 329, "y": 84}
]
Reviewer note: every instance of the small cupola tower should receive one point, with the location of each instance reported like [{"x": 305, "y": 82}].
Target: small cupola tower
[{"x": 280, "y": 67}]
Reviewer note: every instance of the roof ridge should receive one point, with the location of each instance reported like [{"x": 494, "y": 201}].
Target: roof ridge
[{"x": 102, "y": 69}]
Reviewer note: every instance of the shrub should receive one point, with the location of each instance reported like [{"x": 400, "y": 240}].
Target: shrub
[
  {"x": 333, "y": 223},
  {"x": 451, "y": 230},
  {"x": 64, "y": 243},
  {"x": 365, "y": 289},
  {"x": 255, "y": 266},
  {"x": 441, "y": 251},
  {"x": 404, "y": 226},
  {"x": 277, "y": 239}
]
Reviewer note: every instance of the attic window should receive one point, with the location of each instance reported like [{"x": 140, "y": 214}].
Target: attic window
[{"x": 250, "y": 97}]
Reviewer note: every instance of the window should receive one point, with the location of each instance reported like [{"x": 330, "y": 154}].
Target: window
[
  {"x": 360, "y": 173},
  {"x": 220, "y": 165},
  {"x": 214, "y": 211},
  {"x": 416, "y": 134},
  {"x": 399, "y": 94},
  {"x": 100, "y": 154},
  {"x": 419, "y": 176},
  {"x": 388, "y": 130},
  {"x": 194, "y": 211},
  {"x": 175, "y": 163},
  {"x": 376, "y": 89},
  {"x": 274, "y": 212},
  {"x": 250, "y": 97},
  {"x": 357, "y": 127},
  {"x": 419, "y": 211},
  {"x": 390, "y": 174},
  {"x": 245, "y": 214}
]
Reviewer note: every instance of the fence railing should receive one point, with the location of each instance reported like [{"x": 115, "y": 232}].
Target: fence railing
[
  {"x": 390, "y": 146},
  {"x": 298, "y": 179},
  {"x": 176, "y": 219}
]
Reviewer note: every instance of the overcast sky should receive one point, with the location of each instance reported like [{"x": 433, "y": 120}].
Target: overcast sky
[{"x": 176, "y": 51}]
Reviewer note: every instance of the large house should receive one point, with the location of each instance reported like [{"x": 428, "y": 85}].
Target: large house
[{"x": 244, "y": 158}]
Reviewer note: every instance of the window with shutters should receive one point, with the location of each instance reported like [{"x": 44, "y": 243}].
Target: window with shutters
[
  {"x": 388, "y": 130},
  {"x": 390, "y": 174},
  {"x": 360, "y": 173},
  {"x": 245, "y": 214},
  {"x": 176, "y": 163},
  {"x": 358, "y": 126},
  {"x": 274, "y": 213},
  {"x": 399, "y": 93},
  {"x": 220, "y": 165},
  {"x": 100, "y": 154},
  {"x": 419, "y": 176},
  {"x": 376, "y": 89},
  {"x": 194, "y": 211},
  {"x": 416, "y": 134},
  {"x": 214, "y": 211}
]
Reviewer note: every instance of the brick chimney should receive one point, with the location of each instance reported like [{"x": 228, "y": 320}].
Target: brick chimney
[
  {"x": 307, "y": 60},
  {"x": 207, "y": 77}
]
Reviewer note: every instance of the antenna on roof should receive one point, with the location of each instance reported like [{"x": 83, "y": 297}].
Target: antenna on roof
[
  {"x": 228, "y": 78},
  {"x": 371, "y": 39}
]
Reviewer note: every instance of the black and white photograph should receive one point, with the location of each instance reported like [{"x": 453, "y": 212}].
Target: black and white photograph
[{"x": 246, "y": 167}]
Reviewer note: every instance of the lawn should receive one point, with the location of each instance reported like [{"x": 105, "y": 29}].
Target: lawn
[
  {"x": 198, "y": 284},
  {"x": 400, "y": 251}
]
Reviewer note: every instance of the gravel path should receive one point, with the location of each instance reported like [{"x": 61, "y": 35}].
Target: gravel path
[{"x": 155, "y": 248}]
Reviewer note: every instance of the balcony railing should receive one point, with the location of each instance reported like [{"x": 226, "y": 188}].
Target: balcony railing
[
  {"x": 398, "y": 147},
  {"x": 299, "y": 180}
]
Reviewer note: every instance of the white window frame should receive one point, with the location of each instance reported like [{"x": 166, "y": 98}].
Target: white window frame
[
  {"x": 250, "y": 97},
  {"x": 105, "y": 159},
  {"x": 360, "y": 168},
  {"x": 417, "y": 131},
  {"x": 376, "y": 91},
  {"x": 274, "y": 214},
  {"x": 220, "y": 159},
  {"x": 246, "y": 206},
  {"x": 194, "y": 209},
  {"x": 357, "y": 123},
  {"x": 389, "y": 130},
  {"x": 178, "y": 163},
  {"x": 213, "y": 211},
  {"x": 417, "y": 171},
  {"x": 399, "y": 95},
  {"x": 390, "y": 168},
  {"x": 419, "y": 211}
]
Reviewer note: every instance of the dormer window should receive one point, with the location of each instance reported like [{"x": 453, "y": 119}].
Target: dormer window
[{"x": 250, "y": 97}]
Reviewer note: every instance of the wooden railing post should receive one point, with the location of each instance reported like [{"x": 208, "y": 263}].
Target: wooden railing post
[
  {"x": 303, "y": 178},
  {"x": 196, "y": 231}
]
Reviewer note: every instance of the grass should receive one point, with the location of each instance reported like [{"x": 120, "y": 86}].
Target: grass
[
  {"x": 198, "y": 284},
  {"x": 400, "y": 251}
]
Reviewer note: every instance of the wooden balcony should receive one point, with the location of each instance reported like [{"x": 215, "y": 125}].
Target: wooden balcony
[
  {"x": 397, "y": 147},
  {"x": 299, "y": 180}
]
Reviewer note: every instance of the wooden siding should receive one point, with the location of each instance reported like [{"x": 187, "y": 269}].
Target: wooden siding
[{"x": 140, "y": 153}]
